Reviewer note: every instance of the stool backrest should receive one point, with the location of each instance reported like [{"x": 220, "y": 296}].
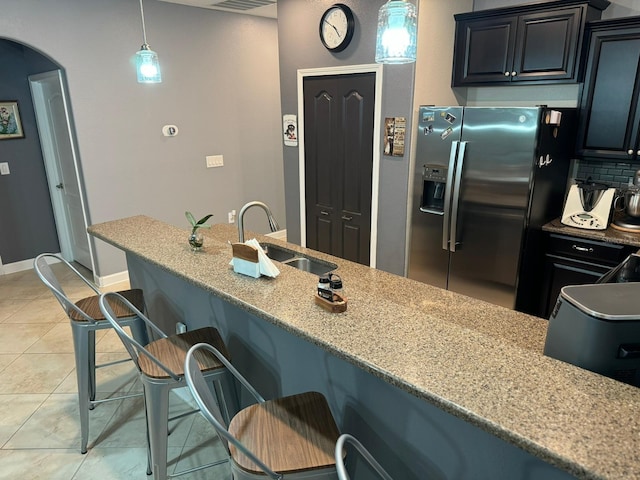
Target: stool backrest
[
  {"x": 134, "y": 348},
  {"x": 45, "y": 273},
  {"x": 342, "y": 472},
  {"x": 209, "y": 407}
]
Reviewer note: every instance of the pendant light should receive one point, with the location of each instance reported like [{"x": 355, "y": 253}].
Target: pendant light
[
  {"x": 147, "y": 64},
  {"x": 397, "y": 36}
]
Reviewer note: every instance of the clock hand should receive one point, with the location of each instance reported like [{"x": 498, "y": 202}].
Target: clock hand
[{"x": 333, "y": 26}]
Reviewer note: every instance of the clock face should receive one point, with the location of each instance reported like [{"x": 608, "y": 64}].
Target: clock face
[{"x": 336, "y": 27}]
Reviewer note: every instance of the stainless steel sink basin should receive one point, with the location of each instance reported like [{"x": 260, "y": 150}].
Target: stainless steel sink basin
[
  {"x": 297, "y": 260},
  {"x": 311, "y": 266},
  {"x": 274, "y": 252}
]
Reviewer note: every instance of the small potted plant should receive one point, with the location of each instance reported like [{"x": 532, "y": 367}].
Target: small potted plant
[{"x": 195, "y": 238}]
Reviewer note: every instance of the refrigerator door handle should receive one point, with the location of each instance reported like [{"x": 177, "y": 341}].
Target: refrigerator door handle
[
  {"x": 456, "y": 197},
  {"x": 447, "y": 194}
]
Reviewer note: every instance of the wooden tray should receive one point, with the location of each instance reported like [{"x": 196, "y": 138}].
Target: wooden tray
[{"x": 338, "y": 305}]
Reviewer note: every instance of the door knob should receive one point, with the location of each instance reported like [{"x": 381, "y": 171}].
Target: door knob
[{"x": 60, "y": 186}]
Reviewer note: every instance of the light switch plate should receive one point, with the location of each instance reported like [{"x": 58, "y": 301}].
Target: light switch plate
[
  {"x": 4, "y": 168},
  {"x": 215, "y": 161}
]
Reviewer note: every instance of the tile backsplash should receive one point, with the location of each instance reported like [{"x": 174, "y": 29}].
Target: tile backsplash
[{"x": 614, "y": 174}]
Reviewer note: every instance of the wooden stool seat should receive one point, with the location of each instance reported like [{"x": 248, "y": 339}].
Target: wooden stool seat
[
  {"x": 91, "y": 307},
  {"x": 172, "y": 351},
  {"x": 290, "y": 434}
]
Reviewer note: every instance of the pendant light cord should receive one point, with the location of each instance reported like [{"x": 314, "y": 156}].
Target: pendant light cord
[{"x": 144, "y": 31}]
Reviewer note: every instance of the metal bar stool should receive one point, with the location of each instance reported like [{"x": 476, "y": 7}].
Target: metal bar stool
[
  {"x": 291, "y": 437},
  {"x": 160, "y": 365},
  {"x": 340, "y": 455},
  {"x": 85, "y": 318}
]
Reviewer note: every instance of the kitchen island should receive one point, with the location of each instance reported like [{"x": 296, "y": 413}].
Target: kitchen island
[{"x": 435, "y": 384}]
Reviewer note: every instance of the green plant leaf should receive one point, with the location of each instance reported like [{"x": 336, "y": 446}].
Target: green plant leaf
[
  {"x": 191, "y": 218},
  {"x": 200, "y": 223}
]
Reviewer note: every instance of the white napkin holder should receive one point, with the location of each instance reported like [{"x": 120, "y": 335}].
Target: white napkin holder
[{"x": 249, "y": 259}]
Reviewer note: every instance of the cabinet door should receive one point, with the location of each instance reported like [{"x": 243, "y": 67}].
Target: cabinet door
[
  {"x": 546, "y": 46},
  {"x": 484, "y": 50},
  {"x": 609, "y": 108},
  {"x": 560, "y": 272}
]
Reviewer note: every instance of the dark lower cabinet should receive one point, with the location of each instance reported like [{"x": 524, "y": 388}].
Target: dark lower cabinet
[
  {"x": 609, "y": 127},
  {"x": 576, "y": 261}
]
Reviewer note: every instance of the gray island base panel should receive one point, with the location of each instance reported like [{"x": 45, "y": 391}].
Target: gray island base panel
[{"x": 437, "y": 384}]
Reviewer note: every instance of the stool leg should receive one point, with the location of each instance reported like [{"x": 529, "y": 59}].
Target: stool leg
[
  {"x": 139, "y": 331},
  {"x": 91, "y": 350},
  {"x": 146, "y": 422},
  {"x": 81, "y": 349},
  {"x": 157, "y": 402},
  {"x": 225, "y": 392}
]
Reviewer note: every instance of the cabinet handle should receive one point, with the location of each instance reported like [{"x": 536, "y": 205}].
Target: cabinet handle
[
  {"x": 582, "y": 249},
  {"x": 322, "y": 212},
  {"x": 513, "y": 74},
  {"x": 346, "y": 218},
  {"x": 630, "y": 152},
  {"x": 506, "y": 74},
  {"x": 638, "y": 152}
]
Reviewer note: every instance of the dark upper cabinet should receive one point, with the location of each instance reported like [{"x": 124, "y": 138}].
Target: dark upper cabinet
[
  {"x": 609, "y": 110},
  {"x": 538, "y": 43}
]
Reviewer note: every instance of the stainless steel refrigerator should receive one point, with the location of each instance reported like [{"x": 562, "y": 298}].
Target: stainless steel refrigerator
[{"x": 485, "y": 181}]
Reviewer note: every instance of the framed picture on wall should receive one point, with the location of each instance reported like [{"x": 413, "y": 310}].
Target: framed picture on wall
[{"x": 10, "y": 124}]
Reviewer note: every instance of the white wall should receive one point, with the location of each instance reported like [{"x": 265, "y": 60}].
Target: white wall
[{"x": 220, "y": 87}]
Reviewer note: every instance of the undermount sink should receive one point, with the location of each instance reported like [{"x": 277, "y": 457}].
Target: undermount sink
[
  {"x": 277, "y": 253},
  {"x": 297, "y": 260}
]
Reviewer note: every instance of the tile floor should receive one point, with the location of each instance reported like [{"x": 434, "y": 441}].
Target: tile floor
[{"x": 39, "y": 427}]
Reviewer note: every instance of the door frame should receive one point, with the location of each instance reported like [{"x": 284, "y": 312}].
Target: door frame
[
  {"x": 377, "y": 69},
  {"x": 52, "y": 167}
]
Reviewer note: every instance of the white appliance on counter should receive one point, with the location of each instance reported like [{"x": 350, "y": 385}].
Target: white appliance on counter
[{"x": 588, "y": 205}]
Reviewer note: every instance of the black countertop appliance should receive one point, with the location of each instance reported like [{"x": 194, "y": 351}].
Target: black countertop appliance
[{"x": 597, "y": 327}]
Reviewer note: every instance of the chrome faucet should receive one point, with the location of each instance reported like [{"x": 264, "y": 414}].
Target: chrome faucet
[{"x": 273, "y": 225}]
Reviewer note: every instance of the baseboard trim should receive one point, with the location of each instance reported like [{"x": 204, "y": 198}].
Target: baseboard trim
[
  {"x": 24, "y": 265},
  {"x": 111, "y": 279},
  {"x": 16, "y": 267}
]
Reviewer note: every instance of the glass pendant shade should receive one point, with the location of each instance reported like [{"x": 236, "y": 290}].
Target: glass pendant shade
[
  {"x": 147, "y": 66},
  {"x": 397, "y": 37}
]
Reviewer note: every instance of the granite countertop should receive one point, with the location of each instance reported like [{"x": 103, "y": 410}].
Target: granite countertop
[
  {"x": 480, "y": 362},
  {"x": 610, "y": 235}
]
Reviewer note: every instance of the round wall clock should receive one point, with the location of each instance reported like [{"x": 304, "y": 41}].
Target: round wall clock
[{"x": 336, "y": 27}]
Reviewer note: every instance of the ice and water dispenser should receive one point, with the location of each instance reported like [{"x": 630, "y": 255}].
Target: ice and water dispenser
[{"x": 434, "y": 181}]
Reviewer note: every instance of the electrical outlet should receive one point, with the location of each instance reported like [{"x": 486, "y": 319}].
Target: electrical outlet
[
  {"x": 232, "y": 216},
  {"x": 215, "y": 161}
]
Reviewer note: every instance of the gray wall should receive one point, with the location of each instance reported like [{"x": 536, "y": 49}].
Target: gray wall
[
  {"x": 300, "y": 48},
  {"x": 221, "y": 88},
  {"x": 27, "y": 227}
]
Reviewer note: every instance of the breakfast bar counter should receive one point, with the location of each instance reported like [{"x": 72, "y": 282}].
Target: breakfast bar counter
[{"x": 446, "y": 385}]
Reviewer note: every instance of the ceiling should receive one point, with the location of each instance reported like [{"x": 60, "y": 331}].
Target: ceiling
[{"x": 261, "y": 8}]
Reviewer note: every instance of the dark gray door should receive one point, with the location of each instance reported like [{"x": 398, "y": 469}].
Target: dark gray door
[{"x": 338, "y": 135}]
